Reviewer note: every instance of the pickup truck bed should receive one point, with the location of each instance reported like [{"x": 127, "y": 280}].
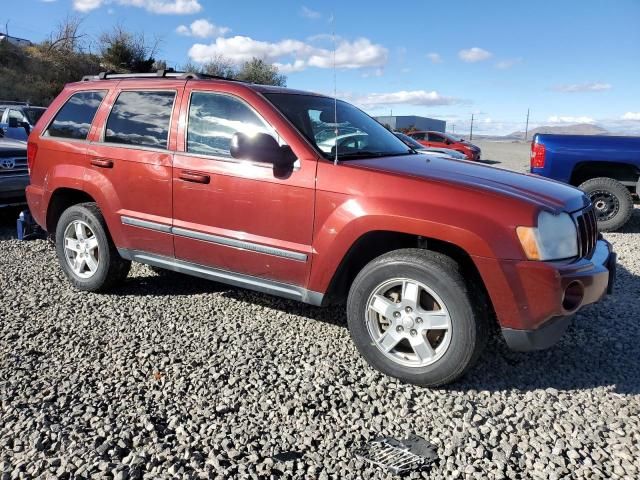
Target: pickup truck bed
[{"x": 607, "y": 168}]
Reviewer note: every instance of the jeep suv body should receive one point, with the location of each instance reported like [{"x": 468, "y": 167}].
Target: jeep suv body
[{"x": 226, "y": 180}]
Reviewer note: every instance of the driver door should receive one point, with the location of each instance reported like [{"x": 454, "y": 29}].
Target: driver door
[{"x": 238, "y": 215}]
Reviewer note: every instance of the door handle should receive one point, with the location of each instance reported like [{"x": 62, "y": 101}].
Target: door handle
[
  {"x": 194, "y": 177},
  {"x": 102, "y": 162}
]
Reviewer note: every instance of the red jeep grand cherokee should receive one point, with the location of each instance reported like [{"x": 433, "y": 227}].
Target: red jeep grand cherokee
[
  {"x": 225, "y": 180},
  {"x": 444, "y": 140}
]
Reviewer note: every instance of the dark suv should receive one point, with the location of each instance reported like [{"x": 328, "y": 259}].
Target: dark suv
[
  {"x": 240, "y": 183},
  {"x": 17, "y": 119},
  {"x": 14, "y": 176}
]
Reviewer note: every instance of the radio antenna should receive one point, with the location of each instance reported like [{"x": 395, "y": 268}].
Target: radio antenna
[{"x": 335, "y": 90}]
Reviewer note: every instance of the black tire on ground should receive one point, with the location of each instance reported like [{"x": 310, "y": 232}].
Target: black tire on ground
[
  {"x": 112, "y": 268},
  {"x": 469, "y": 323},
  {"x": 612, "y": 200}
]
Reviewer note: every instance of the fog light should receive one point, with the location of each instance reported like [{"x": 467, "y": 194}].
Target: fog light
[{"x": 573, "y": 295}]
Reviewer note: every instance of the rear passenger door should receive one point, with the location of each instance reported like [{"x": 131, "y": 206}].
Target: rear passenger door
[{"x": 130, "y": 161}]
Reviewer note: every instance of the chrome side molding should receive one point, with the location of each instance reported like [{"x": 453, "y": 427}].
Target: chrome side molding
[{"x": 217, "y": 239}]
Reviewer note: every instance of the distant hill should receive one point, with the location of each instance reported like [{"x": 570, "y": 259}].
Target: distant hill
[{"x": 577, "y": 129}]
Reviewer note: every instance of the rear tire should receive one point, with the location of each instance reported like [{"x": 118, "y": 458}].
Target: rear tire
[
  {"x": 85, "y": 250},
  {"x": 432, "y": 342},
  {"x": 612, "y": 201}
]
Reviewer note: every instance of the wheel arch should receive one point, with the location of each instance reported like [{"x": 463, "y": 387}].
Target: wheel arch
[
  {"x": 626, "y": 173},
  {"x": 61, "y": 199},
  {"x": 372, "y": 244}
]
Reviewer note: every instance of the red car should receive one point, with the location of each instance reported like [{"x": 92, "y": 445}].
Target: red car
[
  {"x": 444, "y": 140},
  {"x": 227, "y": 181}
]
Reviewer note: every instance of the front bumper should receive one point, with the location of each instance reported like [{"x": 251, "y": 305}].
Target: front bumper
[
  {"x": 12, "y": 189},
  {"x": 538, "y": 299}
]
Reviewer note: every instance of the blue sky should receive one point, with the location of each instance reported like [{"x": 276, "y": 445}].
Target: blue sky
[{"x": 569, "y": 61}]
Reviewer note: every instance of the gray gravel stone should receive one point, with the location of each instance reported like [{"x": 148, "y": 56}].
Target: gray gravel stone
[{"x": 179, "y": 377}]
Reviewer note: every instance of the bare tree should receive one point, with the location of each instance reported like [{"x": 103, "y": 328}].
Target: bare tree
[
  {"x": 220, "y": 66},
  {"x": 66, "y": 37}
]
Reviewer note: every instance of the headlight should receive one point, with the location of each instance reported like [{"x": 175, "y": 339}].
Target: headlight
[{"x": 554, "y": 238}]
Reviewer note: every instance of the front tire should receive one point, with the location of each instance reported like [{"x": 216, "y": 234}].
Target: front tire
[
  {"x": 612, "y": 201},
  {"x": 413, "y": 317},
  {"x": 85, "y": 250}
]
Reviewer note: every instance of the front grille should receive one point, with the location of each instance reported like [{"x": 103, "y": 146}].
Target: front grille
[
  {"x": 587, "y": 231},
  {"x": 12, "y": 166}
]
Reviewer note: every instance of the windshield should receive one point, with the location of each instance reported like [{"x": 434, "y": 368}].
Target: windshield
[
  {"x": 354, "y": 135},
  {"x": 33, "y": 114},
  {"x": 452, "y": 138},
  {"x": 409, "y": 141}
]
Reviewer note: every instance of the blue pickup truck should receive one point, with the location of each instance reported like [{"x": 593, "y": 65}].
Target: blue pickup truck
[{"x": 606, "y": 168}]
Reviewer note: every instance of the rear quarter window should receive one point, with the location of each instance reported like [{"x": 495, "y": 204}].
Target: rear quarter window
[
  {"x": 74, "y": 119},
  {"x": 141, "y": 118}
]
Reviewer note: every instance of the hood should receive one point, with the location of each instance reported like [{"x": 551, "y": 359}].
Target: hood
[
  {"x": 12, "y": 144},
  {"x": 553, "y": 195}
]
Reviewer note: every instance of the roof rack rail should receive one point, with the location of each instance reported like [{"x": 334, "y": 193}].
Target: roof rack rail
[
  {"x": 165, "y": 73},
  {"x": 13, "y": 102}
]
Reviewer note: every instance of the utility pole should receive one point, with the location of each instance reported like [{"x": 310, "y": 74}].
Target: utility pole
[
  {"x": 526, "y": 128},
  {"x": 453, "y": 126},
  {"x": 471, "y": 130}
]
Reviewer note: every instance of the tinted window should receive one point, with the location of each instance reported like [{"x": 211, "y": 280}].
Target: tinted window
[
  {"x": 33, "y": 114},
  {"x": 418, "y": 136},
  {"x": 75, "y": 117},
  {"x": 434, "y": 137},
  {"x": 214, "y": 118},
  {"x": 141, "y": 118}
]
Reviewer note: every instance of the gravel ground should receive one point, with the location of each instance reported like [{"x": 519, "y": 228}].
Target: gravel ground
[{"x": 176, "y": 377}]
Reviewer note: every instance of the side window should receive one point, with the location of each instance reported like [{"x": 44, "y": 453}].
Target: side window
[
  {"x": 418, "y": 136},
  {"x": 17, "y": 114},
  {"x": 434, "y": 137},
  {"x": 214, "y": 118},
  {"x": 140, "y": 118},
  {"x": 75, "y": 117}
]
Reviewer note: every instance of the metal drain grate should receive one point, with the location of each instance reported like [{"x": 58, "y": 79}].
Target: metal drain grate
[{"x": 398, "y": 456}]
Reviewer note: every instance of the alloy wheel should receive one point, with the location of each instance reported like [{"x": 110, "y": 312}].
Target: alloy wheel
[
  {"x": 408, "y": 322},
  {"x": 81, "y": 249}
]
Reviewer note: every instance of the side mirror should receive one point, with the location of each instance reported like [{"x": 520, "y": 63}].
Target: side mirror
[
  {"x": 13, "y": 122},
  {"x": 261, "y": 147}
]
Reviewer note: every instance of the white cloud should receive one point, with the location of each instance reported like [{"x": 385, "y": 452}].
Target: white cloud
[
  {"x": 293, "y": 55},
  {"x": 434, "y": 57},
  {"x": 356, "y": 54},
  {"x": 474, "y": 54},
  {"x": 582, "y": 87},
  {"x": 203, "y": 29},
  {"x": 168, "y": 7},
  {"x": 569, "y": 119},
  {"x": 86, "y": 5},
  {"x": 634, "y": 116},
  {"x": 407, "y": 97},
  {"x": 306, "y": 12},
  {"x": 508, "y": 63}
]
